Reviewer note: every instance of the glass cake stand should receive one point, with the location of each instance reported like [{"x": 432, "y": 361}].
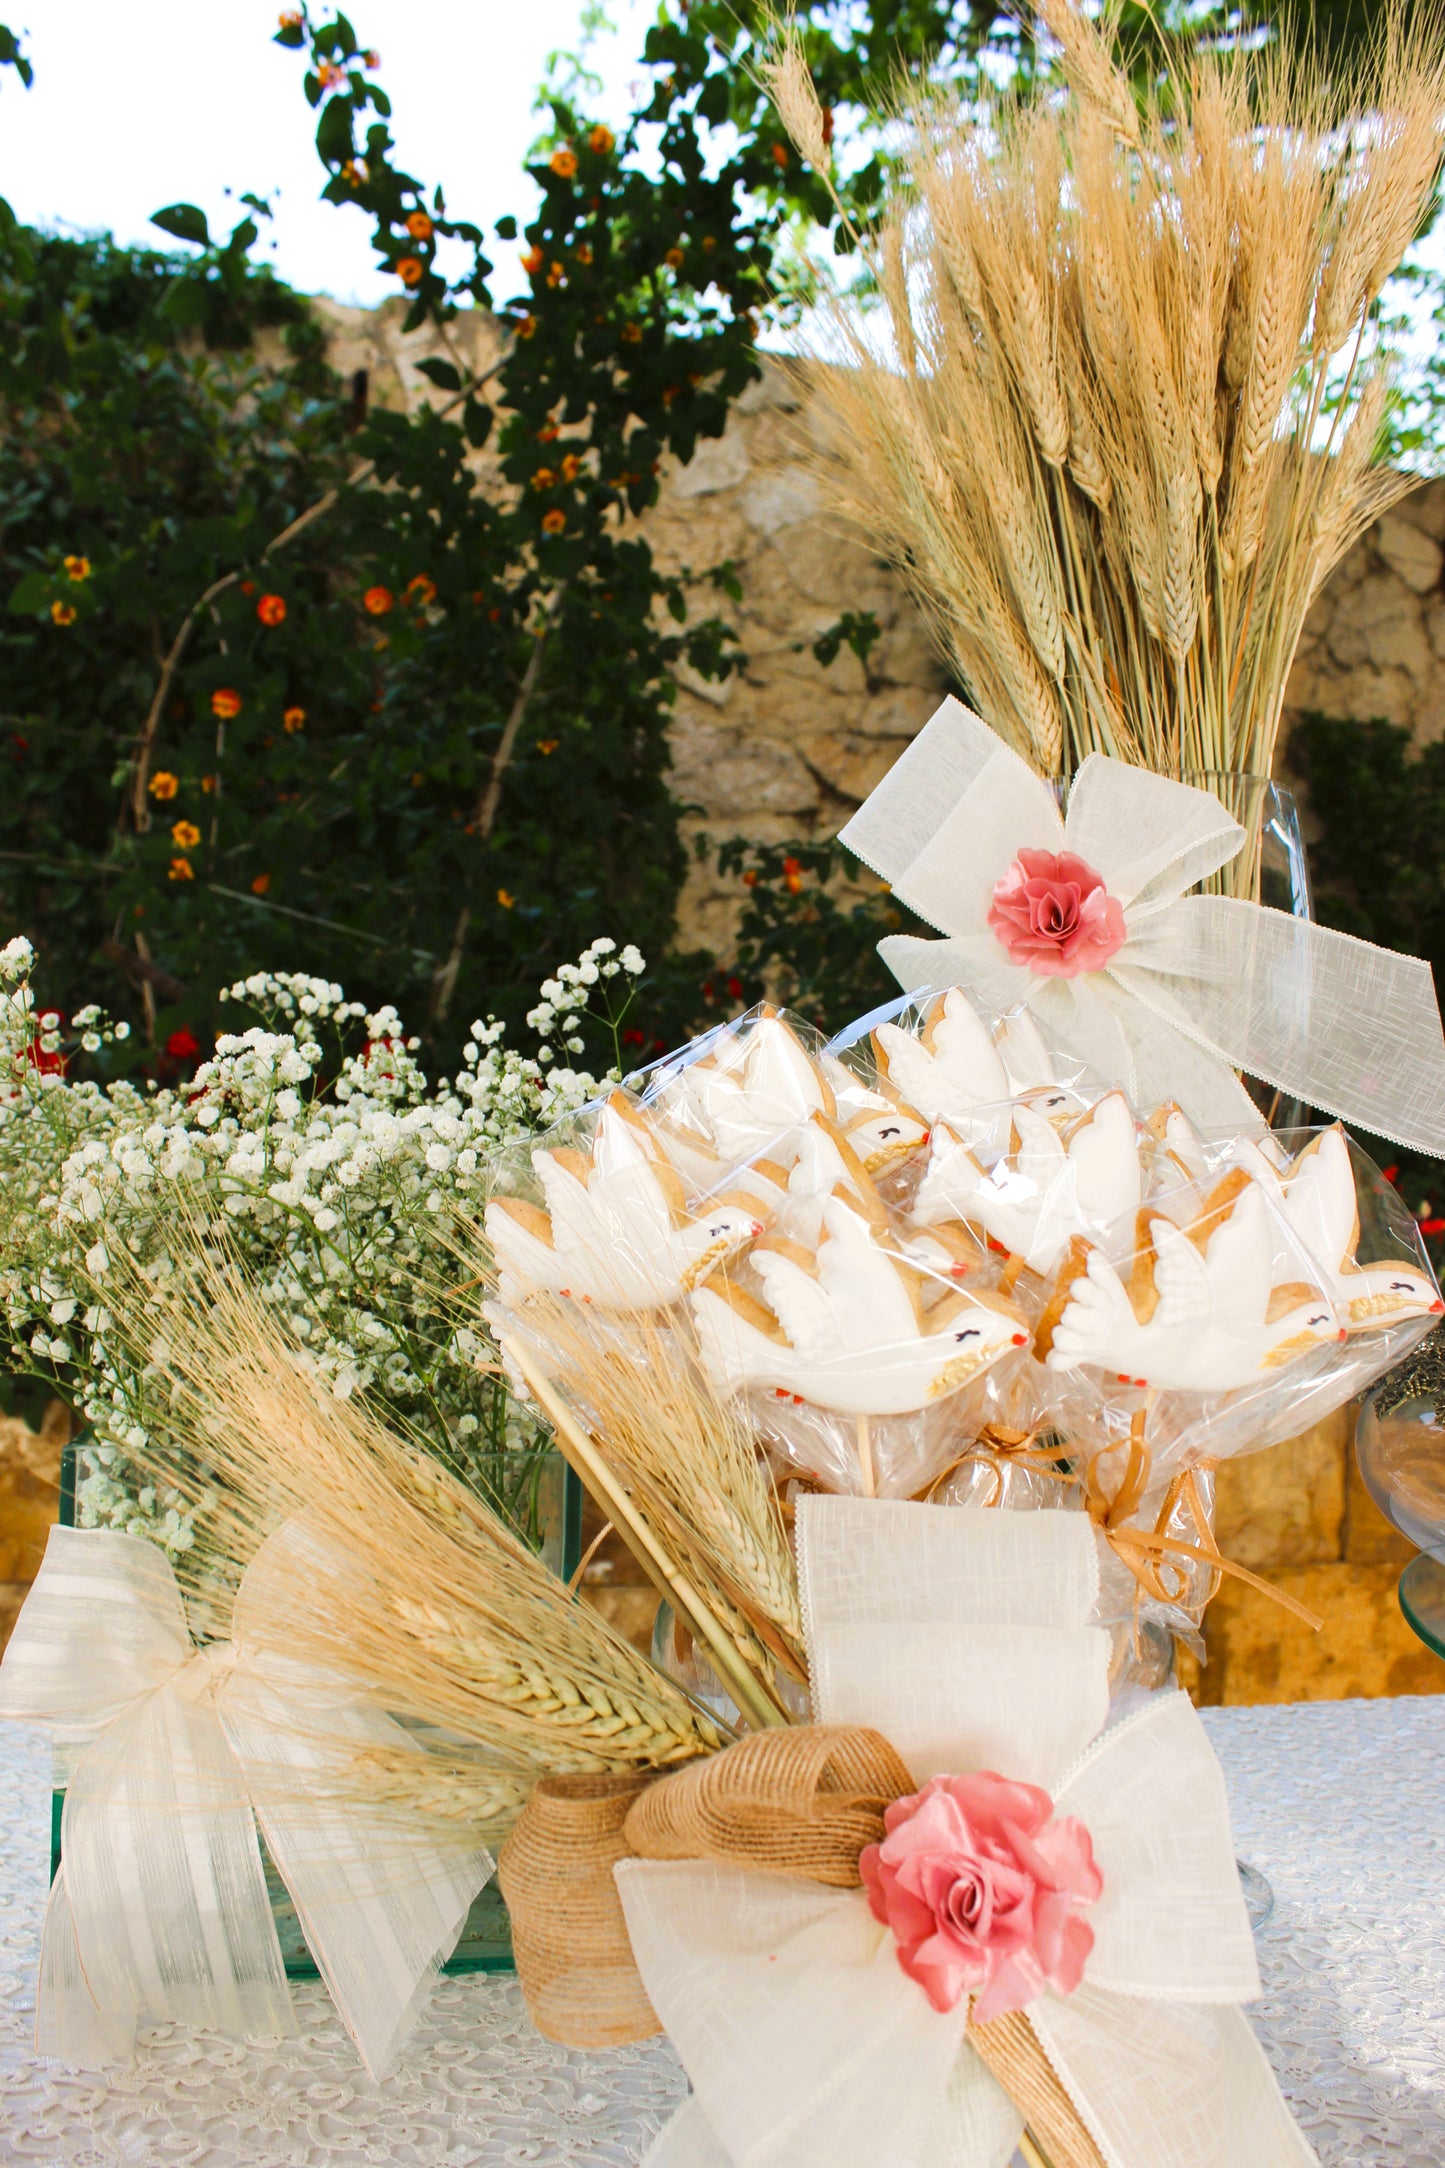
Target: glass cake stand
[{"x": 1422, "y": 1599}]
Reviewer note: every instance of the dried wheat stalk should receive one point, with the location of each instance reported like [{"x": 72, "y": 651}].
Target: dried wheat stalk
[
  {"x": 403, "y": 1582},
  {"x": 1129, "y": 417}
]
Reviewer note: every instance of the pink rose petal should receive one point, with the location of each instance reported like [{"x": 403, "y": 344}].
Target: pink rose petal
[
  {"x": 1053, "y": 914},
  {"x": 983, "y": 1890}
]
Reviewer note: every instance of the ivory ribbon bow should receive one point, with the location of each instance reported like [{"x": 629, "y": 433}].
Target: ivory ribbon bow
[
  {"x": 1202, "y": 985},
  {"x": 962, "y": 1637},
  {"x": 159, "y": 1910}
]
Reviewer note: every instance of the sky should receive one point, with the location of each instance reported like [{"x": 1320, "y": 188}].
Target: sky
[{"x": 135, "y": 106}]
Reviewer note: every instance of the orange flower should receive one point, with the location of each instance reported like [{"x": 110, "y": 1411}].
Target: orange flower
[
  {"x": 553, "y": 522},
  {"x": 329, "y": 75},
  {"x": 555, "y": 275},
  {"x": 208, "y": 784},
  {"x": 410, "y": 270},
  {"x": 377, "y": 601},
  {"x": 185, "y": 835},
  {"x": 526, "y": 327},
  {"x": 563, "y": 164},
  {"x": 421, "y": 589},
  {"x": 225, "y": 703},
  {"x": 571, "y": 467},
  {"x": 583, "y": 252},
  {"x": 163, "y": 784},
  {"x": 601, "y": 140},
  {"x": 631, "y": 335},
  {"x": 750, "y": 878},
  {"x": 506, "y": 899},
  {"x": 549, "y": 435},
  {"x": 77, "y": 568},
  {"x": 271, "y": 609},
  {"x": 780, "y": 154},
  {"x": 355, "y": 172},
  {"x": 548, "y": 745},
  {"x": 792, "y": 876},
  {"x": 260, "y": 884},
  {"x": 62, "y": 613},
  {"x": 419, "y": 226},
  {"x": 248, "y": 587},
  {"x": 674, "y": 257},
  {"x": 533, "y": 260},
  {"x": 293, "y": 720},
  {"x": 371, "y": 58},
  {"x": 290, "y": 18},
  {"x": 544, "y": 478},
  {"x": 180, "y": 869}
]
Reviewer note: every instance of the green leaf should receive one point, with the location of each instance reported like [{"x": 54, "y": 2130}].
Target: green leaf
[
  {"x": 32, "y": 593},
  {"x": 242, "y": 237},
  {"x": 477, "y": 422},
  {"x": 185, "y": 221},
  {"x": 442, "y": 374},
  {"x": 333, "y": 131},
  {"x": 507, "y": 229}
]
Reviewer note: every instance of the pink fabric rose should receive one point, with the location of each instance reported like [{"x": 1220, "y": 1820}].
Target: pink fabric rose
[
  {"x": 1054, "y": 914},
  {"x": 983, "y": 1890}
]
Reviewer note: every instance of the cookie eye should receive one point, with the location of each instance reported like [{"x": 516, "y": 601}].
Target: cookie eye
[
  {"x": 970, "y": 1332},
  {"x": 885, "y": 1133},
  {"x": 1401, "y": 1287},
  {"x": 1320, "y": 1318}
]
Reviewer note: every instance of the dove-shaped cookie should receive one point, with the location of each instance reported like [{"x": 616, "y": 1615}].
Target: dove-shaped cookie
[
  {"x": 846, "y": 1329},
  {"x": 750, "y": 1093},
  {"x": 1051, "y": 1185},
  {"x": 617, "y": 1231},
  {"x": 1321, "y": 1206},
  {"x": 955, "y": 1071},
  {"x": 1212, "y": 1321}
]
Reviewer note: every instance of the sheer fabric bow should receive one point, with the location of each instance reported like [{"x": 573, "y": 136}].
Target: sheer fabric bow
[
  {"x": 1200, "y": 986},
  {"x": 963, "y": 1637},
  {"x": 173, "y": 1754}
]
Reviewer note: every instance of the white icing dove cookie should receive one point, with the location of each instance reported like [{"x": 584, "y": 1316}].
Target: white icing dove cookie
[
  {"x": 846, "y": 1329},
  {"x": 1321, "y": 1207},
  {"x": 1208, "y": 1318},
  {"x": 617, "y": 1231},
  {"x": 955, "y": 1071},
  {"x": 1051, "y": 1185},
  {"x": 752, "y": 1091}
]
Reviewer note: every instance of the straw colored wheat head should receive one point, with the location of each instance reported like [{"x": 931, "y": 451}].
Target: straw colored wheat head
[
  {"x": 1126, "y": 415},
  {"x": 392, "y": 1575}
]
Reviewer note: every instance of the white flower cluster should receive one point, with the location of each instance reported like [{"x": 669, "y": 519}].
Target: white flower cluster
[
  {"x": 568, "y": 995},
  {"x": 340, "y": 1170}
]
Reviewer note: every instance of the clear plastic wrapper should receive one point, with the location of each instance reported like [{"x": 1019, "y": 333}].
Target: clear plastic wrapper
[{"x": 931, "y": 1260}]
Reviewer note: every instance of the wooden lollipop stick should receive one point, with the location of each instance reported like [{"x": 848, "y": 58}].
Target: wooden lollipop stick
[{"x": 865, "y": 1458}]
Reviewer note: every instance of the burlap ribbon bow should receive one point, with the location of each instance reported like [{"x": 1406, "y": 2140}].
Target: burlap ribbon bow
[{"x": 722, "y": 1902}]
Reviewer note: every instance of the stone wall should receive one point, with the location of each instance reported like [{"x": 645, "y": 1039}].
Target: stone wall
[{"x": 786, "y": 748}]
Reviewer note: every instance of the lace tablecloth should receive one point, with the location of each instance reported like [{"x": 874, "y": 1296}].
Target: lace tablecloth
[{"x": 1342, "y": 1805}]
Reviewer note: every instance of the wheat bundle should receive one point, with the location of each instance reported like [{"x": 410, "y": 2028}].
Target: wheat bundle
[
  {"x": 1130, "y": 417},
  {"x": 388, "y": 1574}
]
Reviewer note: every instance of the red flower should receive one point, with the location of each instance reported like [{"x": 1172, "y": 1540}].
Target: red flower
[
  {"x": 1432, "y": 1227},
  {"x": 271, "y": 609},
  {"x": 735, "y": 988},
  {"x": 183, "y": 1045},
  {"x": 377, "y": 601},
  {"x": 225, "y": 703},
  {"x": 633, "y": 1037}
]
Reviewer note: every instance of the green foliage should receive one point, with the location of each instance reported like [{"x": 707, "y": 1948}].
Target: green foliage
[
  {"x": 1378, "y": 871},
  {"x": 809, "y": 931}
]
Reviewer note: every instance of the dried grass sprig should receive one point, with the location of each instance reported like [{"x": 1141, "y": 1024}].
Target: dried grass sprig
[
  {"x": 398, "y": 1578},
  {"x": 1129, "y": 418}
]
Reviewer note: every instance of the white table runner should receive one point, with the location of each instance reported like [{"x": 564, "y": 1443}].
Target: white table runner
[{"x": 1341, "y": 1804}]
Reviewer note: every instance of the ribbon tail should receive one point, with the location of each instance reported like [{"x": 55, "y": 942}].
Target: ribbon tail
[
  {"x": 1181, "y": 2085},
  {"x": 171, "y": 1915},
  {"x": 381, "y": 1906},
  {"x": 1326, "y": 1018},
  {"x": 71, "y": 2027}
]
